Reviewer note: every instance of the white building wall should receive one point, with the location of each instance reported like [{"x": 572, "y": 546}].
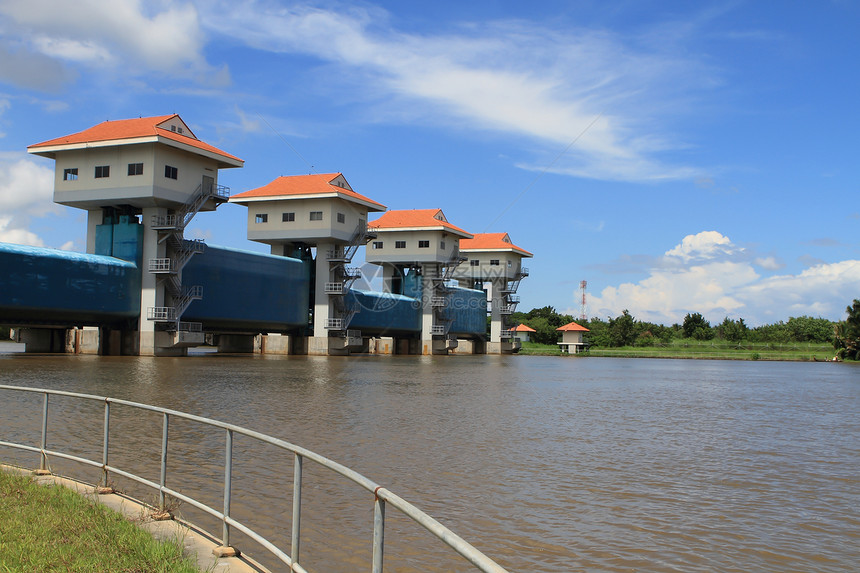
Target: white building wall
[
  {"x": 302, "y": 228},
  {"x": 440, "y": 246}
]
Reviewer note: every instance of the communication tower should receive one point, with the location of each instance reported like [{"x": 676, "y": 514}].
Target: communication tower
[{"x": 583, "y": 309}]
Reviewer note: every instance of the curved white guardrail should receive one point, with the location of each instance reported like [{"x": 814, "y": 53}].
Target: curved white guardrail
[{"x": 382, "y": 497}]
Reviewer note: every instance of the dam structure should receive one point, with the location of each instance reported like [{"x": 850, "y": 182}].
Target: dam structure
[
  {"x": 143, "y": 288},
  {"x": 495, "y": 264}
]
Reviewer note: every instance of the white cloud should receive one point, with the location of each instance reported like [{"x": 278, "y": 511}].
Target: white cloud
[
  {"x": 26, "y": 191},
  {"x": 18, "y": 235},
  {"x": 26, "y": 188},
  {"x": 769, "y": 263},
  {"x": 130, "y": 35},
  {"x": 707, "y": 273},
  {"x": 704, "y": 245},
  {"x": 512, "y": 77}
]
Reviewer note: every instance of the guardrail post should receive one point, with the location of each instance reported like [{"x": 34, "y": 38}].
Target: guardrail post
[
  {"x": 163, "y": 480},
  {"x": 105, "y": 446},
  {"x": 297, "y": 509},
  {"x": 225, "y": 549},
  {"x": 43, "y": 462},
  {"x": 378, "y": 532},
  {"x": 228, "y": 481}
]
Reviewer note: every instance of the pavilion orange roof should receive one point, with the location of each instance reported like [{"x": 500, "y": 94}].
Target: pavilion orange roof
[
  {"x": 307, "y": 186},
  {"x": 416, "y": 219},
  {"x": 144, "y": 129},
  {"x": 573, "y": 327},
  {"x": 523, "y": 328},
  {"x": 492, "y": 242}
]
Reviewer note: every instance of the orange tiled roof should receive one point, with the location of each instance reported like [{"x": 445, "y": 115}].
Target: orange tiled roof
[
  {"x": 492, "y": 242},
  {"x": 144, "y": 127},
  {"x": 409, "y": 219},
  {"x": 300, "y": 185},
  {"x": 523, "y": 328},
  {"x": 572, "y": 327}
]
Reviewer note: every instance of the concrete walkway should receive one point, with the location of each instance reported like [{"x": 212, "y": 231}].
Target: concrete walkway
[{"x": 198, "y": 544}]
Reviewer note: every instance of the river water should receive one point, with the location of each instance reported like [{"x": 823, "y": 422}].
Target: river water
[{"x": 543, "y": 463}]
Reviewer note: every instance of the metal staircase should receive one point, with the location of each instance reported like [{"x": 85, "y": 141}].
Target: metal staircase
[
  {"x": 342, "y": 278},
  {"x": 510, "y": 301},
  {"x": 440, "y": 298},
  {"x": 171, "y": 230}
]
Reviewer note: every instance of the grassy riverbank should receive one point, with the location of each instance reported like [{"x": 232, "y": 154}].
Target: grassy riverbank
[
  {"x": 703, "y": 350},
  {"x": 52, "y": 528}
]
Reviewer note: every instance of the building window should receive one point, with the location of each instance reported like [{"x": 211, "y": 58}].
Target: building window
[
  {"x": 316, "y": 215},
  {"x": 261, "y": 218},
  {"x": 494, "y": 262},
  {"x": 475, "y": 262},
  {"x": 510, "y": 264},
  {"x": 70, "y": 174},
  {"x": 135, "y": 168},
  {"x": 102, "y": 171},
  {"x": 341, "y": 218},
  {"x": 288, "y": 217},
  {"x": 442, "y": 245},
  {"x": 423, "y": 244},
  {"x": 399, "y": 244},
  {"x": 377, "y": 244},
  {"x": 171, "y": 172}
]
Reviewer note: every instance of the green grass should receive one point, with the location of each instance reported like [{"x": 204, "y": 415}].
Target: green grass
[
  {"x": 707, "y": 349},
  {"x": 52, "y": 528}
]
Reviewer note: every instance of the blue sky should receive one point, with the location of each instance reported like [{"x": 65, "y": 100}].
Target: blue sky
[{"x": 679, "y": 156}]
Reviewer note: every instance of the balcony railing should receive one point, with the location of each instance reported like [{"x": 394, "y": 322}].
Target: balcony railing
[
  {"x": 161, "y": 313},
  {"x": 334, "y": 288},
  {"x": 161, "y": 266},
  {"x": 190, "y": 327},
  {"x": 163, "y": 222},
  {"x": 351, "y": 273},
  {"x": 334, "y": 323}
]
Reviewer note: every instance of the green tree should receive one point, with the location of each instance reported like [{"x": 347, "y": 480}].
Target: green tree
[
  {"x": 776, "y": 332},
  {"x": 808, "y": 329},
  {"x": 598, "y": 334},
  {"x": 847, "y": 335},
  {"x": 622, "y": 330},
  {"x": 695, "y": 326},
  {"x": 733, "y": 330},
  {"x": 544, "y": 331},
  {"x": 551, "y": 315}
]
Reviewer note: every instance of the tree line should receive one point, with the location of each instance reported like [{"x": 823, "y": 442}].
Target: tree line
[{"x": 626, "y": 330}]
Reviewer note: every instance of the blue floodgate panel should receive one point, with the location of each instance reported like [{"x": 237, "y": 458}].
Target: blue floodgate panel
[
  {"x": 65, "y": 288},
  {"x": 468, "y": 308},
  {"x": 243, "y": 290},
  {"x": 384, "y": 314}
]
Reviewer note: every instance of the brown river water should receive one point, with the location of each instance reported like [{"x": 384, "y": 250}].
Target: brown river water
[{"x": 543, "y": 463}]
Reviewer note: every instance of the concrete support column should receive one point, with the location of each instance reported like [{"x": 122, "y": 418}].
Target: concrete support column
[
  {"x": 428, "y": 273},
  {"x": 496, "y": 301},
  {"x": 95, "y": 217},
  {"x": 319, "y": 344},
  {"x": 321, "y": 302},
  {"x": 151, "y": 293},
  {"x": 389, "y": 272}
]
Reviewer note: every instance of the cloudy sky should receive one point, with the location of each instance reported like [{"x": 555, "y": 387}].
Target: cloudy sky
[{"x": 679, "y": 156}]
